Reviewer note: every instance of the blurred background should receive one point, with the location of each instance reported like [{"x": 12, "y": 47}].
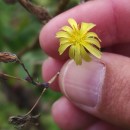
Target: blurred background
[{"x": 19, "y": 32}]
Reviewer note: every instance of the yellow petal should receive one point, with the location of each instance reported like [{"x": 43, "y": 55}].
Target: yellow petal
[
  {"x": 63, "y": 47},
  {"x": 62, "y": 34},
  {"x": 85, "y": 27},
  {"x": 92, "y": 34},
  {"x": 90, "y": 26},
  {"x": 84, "y": 54},
  {"x": 94, "y": 51},
  {"x": 72, "y": 52},
  {"x": 64, "y": 40},
  {"x": 77, "y": 57},
  {"x": 93, "y": 41},
  {"x": 73, "y": 23},
  {"x": 67, "y": 29}
]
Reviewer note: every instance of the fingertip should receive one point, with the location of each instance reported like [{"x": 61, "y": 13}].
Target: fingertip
[
  {"x": 108, "y": 15},
  {"x": 104, "y": 28},
  {"x": 68, "y": 117}
]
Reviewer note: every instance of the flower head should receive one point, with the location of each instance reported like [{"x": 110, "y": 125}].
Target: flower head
[{"x": 79, "y": 40}]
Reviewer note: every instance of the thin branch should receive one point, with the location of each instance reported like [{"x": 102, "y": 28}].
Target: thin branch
[
  {"x": 44, "y": 89},
  {"x": 6, "y": 77},
  {"x": 40, "y": 12},
  {"x": 30, "y": 77},
  {"x": 46, "y": 85}
]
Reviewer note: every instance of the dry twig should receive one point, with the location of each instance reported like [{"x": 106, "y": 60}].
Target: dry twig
[
  {"x": 21, "y": 120},
  {"x": 40, "y": 12},
  {"x": 10, "y": 1},
  {"x": 83, "y": 1},
  {"x": 61, "y": 6}
]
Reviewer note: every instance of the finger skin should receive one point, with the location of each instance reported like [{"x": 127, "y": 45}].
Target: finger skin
[
  {"x": 110, "y": 16},
  {"x": 102, "y": 126},
  {"x": 112, "y": 103},
  {"x": 119, "y": 49},
  {"x": 68, "y": 117}
]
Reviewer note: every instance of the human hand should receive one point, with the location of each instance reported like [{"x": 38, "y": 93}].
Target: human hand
[{"x": 99, "y": 90}]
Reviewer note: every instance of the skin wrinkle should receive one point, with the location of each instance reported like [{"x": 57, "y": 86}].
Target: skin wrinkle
[
  {"x": 122, "y": 12},
  {"x": 113, "y": 5}
]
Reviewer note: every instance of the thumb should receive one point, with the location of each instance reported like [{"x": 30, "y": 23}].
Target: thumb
[{"x": 101, "y": 88}]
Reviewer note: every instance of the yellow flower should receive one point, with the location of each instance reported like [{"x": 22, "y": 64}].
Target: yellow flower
[{"x": 80, "y": 41}]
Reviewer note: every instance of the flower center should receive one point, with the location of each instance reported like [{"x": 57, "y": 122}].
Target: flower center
[{"x": 77, "y": 38}]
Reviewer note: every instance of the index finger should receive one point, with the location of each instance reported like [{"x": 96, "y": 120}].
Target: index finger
[{"x": 110, "y": 16}]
